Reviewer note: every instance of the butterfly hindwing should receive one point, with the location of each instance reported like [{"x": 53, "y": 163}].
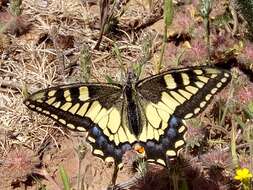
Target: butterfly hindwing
[
  {"x": 168, "y": 99},
  {"x": 166, "y": 142},
  {"x": 95, "y": 108}
]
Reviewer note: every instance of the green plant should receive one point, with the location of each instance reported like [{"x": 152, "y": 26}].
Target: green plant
[
  {"x": 168, "y": 17},
  {"x": 206, "y": 7},
  {"x": 85, "y": 64},
  {"x": 64, "y": 178},
  {"x": 246, "y": 10}
]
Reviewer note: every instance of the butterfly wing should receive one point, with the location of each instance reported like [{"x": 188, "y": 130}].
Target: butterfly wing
[
  {"x": 168, "y": 99},
  {"x": 95, "y": 108}
]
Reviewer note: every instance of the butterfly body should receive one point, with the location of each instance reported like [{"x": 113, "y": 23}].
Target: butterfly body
[
  {"x": 149, "y": 112},
  {"x": 133, "y": 110}
]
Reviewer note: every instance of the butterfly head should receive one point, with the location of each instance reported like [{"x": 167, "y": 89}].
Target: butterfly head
[{"x": 131, "y": 77}]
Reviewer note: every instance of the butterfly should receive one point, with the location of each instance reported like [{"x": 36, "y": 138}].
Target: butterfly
[{"x": 149, "y": 113}]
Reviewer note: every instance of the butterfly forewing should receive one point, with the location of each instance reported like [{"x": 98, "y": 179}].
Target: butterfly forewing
[{"x": 185, "y": 92}]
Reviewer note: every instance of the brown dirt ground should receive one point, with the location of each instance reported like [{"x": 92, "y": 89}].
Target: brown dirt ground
[
  {"x": 36, "y": 64},
  {"x": 53, "y": 33}
]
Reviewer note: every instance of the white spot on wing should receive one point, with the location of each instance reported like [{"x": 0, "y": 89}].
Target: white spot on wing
[
  {"x": 51, "y": 93},
  {"x": 189, "y": 115},
  {"x": 178, "y": 97},
  {"x": 74, "y": 108},
  {"x": 62, "y": 121},
  {"x": 160, "y": 161},
  {"x": 171, "y": 153},
  {"x": 51, "y": 100},
  {"x": 57, "y": 104},
  {"x": 224, "y": 80},
  {"x": 199, "y": 84},
  {"x": 170, "y": 81},
  {"x": 208, "y": 97},
  {"x": 32, "y": 106},
  {"x": 184, "y": 93},
  {"x": 98, "y": 152},
  {"x": 91, "y": 139},
  {"x": 191, "y": 89},
  {"x": 196, "y": 110},
  {"x": 153, "y": 116},
  {"x": 226, "y": 75},
  {"x": 94, "y": 110},
  {"x": 109, "y": 159},
  {"x": 84, "y": 93},
  {"x": 202, "y": 104},
  {"x": 46, "y": 112},
  {"x": 203, "y": 79},
  {"x": 114, "y": 120},
  {"x": 71, "y": 126},
  {"x": 214, "y": 90},
  {"x": 198, "y": 71},
  {"x": 82, "y": 129},
  {"x": 186, "y": 79},
  {"x": 181, "y": 129},
  {"x": 67, "y": 95},
  {"x": 179, "y": 143},
  {"x": 39, "y": 109},
  {"x": 169, "y": 101},
  {"x": 66, "y": 106},
  {"x": 219, "y": 85},
  {"x": 83, "y": 109}
]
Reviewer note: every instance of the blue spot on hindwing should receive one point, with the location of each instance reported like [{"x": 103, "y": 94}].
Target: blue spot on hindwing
[
  {"x": 126, "y": 147},
  {"x": 95, "y": 132},
  {"x": 109, "y": 149},
  {"x": 101, "y": 141},
  {"x": 165, "y": 142},
  {"x": 151, "y": 145},
  {"x": 173, "y": 122},
  {"x": 118, "y": 153},
  {"x": 171, "y": 133}
]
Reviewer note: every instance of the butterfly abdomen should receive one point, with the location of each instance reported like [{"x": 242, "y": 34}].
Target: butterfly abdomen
[{"x": 133, "y": 111}]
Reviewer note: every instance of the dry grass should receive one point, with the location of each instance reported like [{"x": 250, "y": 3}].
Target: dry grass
[
  {"x": 43, "y": 56},
  {"x": 29, "y": 64}
]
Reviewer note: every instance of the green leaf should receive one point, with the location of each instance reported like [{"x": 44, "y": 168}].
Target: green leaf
[
  {"x": 240, "y": 122},
  {"x": 250, "y": 107},
  {"x": 168, "y": 12},
  {"x": 109, "y": 79},
  {"x": 64, "y": 178},
  {"x": 85, "y": 64},
  {"x": 183, "y": 185},
  {"x": 249, "y": 110}
]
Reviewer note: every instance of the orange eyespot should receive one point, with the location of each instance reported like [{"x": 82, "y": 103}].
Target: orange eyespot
[{"x": 139, "y": 149}]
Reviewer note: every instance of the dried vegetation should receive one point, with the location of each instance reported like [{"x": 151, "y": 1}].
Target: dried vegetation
[{"x": 42, "y": 44}]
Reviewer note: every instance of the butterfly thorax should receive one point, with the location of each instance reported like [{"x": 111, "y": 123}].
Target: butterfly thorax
[{"x": 133, "y": 111}]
